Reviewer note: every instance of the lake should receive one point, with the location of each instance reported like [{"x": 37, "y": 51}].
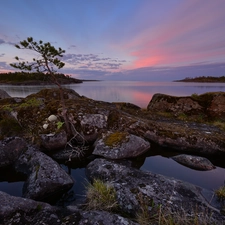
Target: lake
[{"x": 139, "y": 93}]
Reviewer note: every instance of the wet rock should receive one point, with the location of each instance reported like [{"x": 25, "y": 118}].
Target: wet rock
[
  {"x": 133, "y": 185},
  {"x": 120, "y": 145},
  {"x": 21, "y": 211},
  {"x": 46, "y": 178},
  {"x": 55, "y": 141},
  {"x": 10, "y": 150},
  {"x": 103, "y": 218},
  {"x": 194, "y": 162},
  {"x": 4, "y": 94}
]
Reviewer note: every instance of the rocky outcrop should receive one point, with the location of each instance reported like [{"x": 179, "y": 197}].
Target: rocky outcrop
[
  {"x": 10, "y": 150},
  {"x": 194, "y": 162},
  {"x": 134, "y": 186},
  {"x": 46, "y": 179},
  {"x": 210, "y": 105},
  {"x": 120, "y": 145},
  {"x": 21, "y": 211}
]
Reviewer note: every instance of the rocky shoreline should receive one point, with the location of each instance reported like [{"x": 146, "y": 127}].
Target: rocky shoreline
[{"x": 109, "y": 135}]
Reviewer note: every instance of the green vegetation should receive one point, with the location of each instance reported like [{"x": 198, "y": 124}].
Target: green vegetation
[
  {"x": 220, "y": 193},
  {"x": 116, "y": 138},
  {"x": 203, "y": 79},
  {"x": 101, "y": 196}
]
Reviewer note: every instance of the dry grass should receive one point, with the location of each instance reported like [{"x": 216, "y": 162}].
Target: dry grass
[
  {"x": 156, "y": 215},
  {"x": 101, "y": 196}
]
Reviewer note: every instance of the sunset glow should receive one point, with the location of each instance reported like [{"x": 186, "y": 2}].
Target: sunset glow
[{"x": 114, "y": 40}]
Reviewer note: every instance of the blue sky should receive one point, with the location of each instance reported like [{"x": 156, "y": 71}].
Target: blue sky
[{"x": 120, "y": 39}]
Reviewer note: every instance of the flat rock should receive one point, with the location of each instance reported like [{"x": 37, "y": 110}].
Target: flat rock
[
  {"x": 103, "y": 218},
  {"x": 120, "y": 145},
  {"x": 194, "y": 162},
  {"x": 172, "y": 194},
  {"x": 46, "y": 178}
]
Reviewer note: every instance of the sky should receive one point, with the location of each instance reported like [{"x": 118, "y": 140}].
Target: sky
[{"x": 147, "y": 40}]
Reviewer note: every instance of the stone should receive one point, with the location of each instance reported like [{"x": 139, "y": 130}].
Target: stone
[
  {"x": 10, "y": 150},
  {"x": 194, "y": 162},
  {"x": 22, "y": 211},
  {"x": 120, "y": 145},
  {"x": 176, "y": 105},
  {"x": 4, "y": 94},
  {"x": 52, "y": 118},
  {"x": 45, "y": 177},
  {"x": 55, "y": 141},
  {"x": 103, "y": 218},
  {"x": 133, "y": 185}
]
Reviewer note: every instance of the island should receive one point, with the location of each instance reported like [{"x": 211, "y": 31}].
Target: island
[
  {"x": 22, "y": 78},
  {"x": 208, "y": 79}
]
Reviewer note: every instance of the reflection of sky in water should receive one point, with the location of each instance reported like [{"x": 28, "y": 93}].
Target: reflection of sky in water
[
  {"x": 136, "y": 92},
  {"x": 139, "y": 93},
  {"x": 166, "y": 166}
]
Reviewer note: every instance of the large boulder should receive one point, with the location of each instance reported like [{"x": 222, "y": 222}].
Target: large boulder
[
  {"x": 10, "y": 150},
  {"x": 210, "y": 105},
  {"x": 22, "y": 211},
  {"x": 133, "y": 185},
  {"x": 175, "y": 105},
  {"x": 46, "y": 178},
  {"x": 120, "y": 145},
  {"x": 194, "y": 162}
]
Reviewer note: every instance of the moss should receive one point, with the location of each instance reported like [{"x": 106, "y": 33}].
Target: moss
[
  {"x": 9, "y": 127},
  {"x": 31, "y": 102},
  {"x": 116, "y": 138}
]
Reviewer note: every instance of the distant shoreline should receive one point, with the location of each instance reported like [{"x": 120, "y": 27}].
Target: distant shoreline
[{"x": 203, "y": 79}]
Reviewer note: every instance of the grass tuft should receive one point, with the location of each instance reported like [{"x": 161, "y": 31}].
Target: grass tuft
[{"x": 101, "y": 196}]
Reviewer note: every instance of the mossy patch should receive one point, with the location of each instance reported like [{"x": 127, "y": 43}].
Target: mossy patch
[{"x": 116, "y": 138}]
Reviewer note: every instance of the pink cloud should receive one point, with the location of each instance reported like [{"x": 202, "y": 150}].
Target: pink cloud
[{"x": 193, "y": 32}]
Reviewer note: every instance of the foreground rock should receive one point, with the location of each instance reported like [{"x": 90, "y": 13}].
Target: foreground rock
[
  {"x": 46, "y": 179},
  {"x": 20, "y": 211},
  {"x": 120, "y": 145},
  {"x": 104, "y": 218},
  {"x": 132, "y": 185},
  {"x": 194, "y": 162}
]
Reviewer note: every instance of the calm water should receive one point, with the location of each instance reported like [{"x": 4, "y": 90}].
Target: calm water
[
  {"x": 139, "y": 93},
  {"x": 136, "y": 92}
]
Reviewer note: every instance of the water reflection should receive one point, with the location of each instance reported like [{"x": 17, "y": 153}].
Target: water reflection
[
  {"x": 139, "y": 93},
  {"x": 136, "y": 92}
]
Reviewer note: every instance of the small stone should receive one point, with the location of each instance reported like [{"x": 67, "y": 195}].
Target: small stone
[
  {"x": 45, "y": 126},
  {"x": 52, "y": 118}
]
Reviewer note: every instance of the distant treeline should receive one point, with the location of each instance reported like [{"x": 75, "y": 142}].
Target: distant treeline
[
  {"x": 34, "y": 78},
  {"x": 203, "y": 79}
]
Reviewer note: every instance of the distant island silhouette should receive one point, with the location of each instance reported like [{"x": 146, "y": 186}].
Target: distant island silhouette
[
  {"x": 208, "y": 79},
  {"x": 22, "y": 78}
]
